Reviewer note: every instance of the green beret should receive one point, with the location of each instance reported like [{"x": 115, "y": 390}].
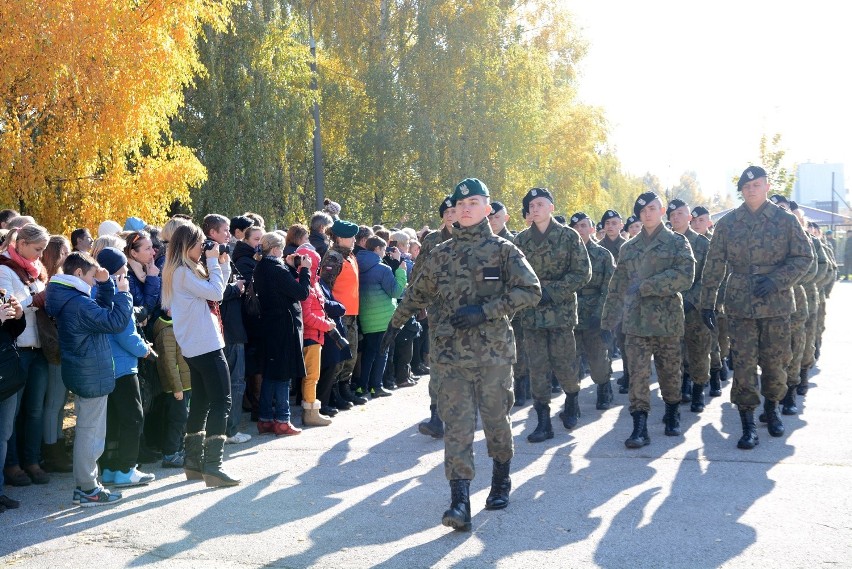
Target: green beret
[
  {"x": 344, "y": 229},
  {"x": 470, "y": 187}
]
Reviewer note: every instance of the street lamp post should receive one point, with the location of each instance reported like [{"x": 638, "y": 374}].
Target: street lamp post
[{"x": 319, "y": 177}]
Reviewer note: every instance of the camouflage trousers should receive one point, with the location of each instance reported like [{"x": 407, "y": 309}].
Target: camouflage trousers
[
  {"x": 346, "y": 367},
  {"x": 461, "y": 392},
  {"x": 434, "y": 372},
  {"x": 521, "y": 367},
  {"x": 666, "y": 351},
  {"x": 597, "y": 354},
  {"x": 764, "y": 342},
  {"x": 721, "y": 342},
  {"x": 697, "y": 342},
  {"x": 797, "y": 349},
  {"x": 551, "y": 349},
  {"x": 820, "y": 320},
  {"x": 808, "y": 357}
]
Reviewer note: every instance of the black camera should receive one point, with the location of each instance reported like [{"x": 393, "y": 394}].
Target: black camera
[
  {"x": 297, "y": 261},
  {"x": 339, "y": 341},
  {"x": 210, "y": 244}
]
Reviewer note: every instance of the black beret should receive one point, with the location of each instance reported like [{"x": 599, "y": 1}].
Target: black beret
[
  {"x": 560, "y": 219},
  {"x": 469, "y": 187},
  {"x": 445, "y": 205},
  {"x": 536, "y": 193},
  {"x": 609, "y": 214},
  {"x": 630, "y": 221},
  {"x": 599, "y": 226},
  {"x": 749, "y": 174},
  {"x": 577, "y": 218},
  {"x": 643, "y": 200},
  {"x": 700, "y": 210},
  {"x": 793, "y": 206},
  {"x": 779, "y": 199},
  {"x": 673, "y": 205},
  {"x": 813, "y": 225},
  {"x": 497, "y": 206}
]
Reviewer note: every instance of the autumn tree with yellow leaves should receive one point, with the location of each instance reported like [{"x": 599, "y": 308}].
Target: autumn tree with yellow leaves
[{"x": 87, "y": 90}]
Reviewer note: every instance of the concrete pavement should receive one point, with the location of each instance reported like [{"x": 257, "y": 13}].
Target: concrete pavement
[{"x": 369, "y": 491}]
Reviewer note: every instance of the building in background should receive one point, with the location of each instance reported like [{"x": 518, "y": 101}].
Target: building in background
[{"x": 815, "y": 188}]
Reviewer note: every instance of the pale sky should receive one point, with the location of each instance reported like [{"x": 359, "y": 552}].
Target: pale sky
[{"x": 692, "y": 86}]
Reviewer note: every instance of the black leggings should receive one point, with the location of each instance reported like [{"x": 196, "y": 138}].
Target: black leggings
[
  {"x": 211, "y": 393},
  {"x": 124, "y": 423}
]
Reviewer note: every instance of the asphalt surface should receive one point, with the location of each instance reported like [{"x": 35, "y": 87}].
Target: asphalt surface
[{"x": 369, "y": 491}]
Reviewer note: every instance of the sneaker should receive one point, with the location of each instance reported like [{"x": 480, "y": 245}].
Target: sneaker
[
  {"x": 98, "y": 496},
  {"x": 108, "y": 476},
  {"x": 173, "y": 460},
  {"x": 238, "y": 439},
  {"x": 132, "y": 477},
  {"x": 379, "y": 392}
]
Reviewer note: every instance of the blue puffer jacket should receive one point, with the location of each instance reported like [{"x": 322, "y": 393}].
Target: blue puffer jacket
[
  {"x": 127, "y": 347},
  {"x": 84, "y": 324}
]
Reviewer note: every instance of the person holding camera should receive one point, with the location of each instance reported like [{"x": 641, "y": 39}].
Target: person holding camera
[
  {"x": 192, "y": 291},
  {"x": 316, "y": 325},
  {"x": 281, "y": 283},
  {"x": 12, "y": 324}
]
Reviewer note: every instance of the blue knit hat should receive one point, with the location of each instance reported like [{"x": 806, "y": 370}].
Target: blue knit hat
[{"x": 111, "y": 259}]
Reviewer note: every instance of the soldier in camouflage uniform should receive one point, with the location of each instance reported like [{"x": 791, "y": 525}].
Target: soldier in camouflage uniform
[
  {"x": 812, "y": 290},
  {"x": 473, "y": 284},
  {"x": 612, "y": 241},
  {"x": 434, "y": 427},
  {"x": 799, "y": 318},
  {"x": 561, "y": 262},
  {"x": 767, "y": 252},
  {"x": 697, "y": 339},
  {"x": 498, "y": 218},
  {"x": 826, "y": 288},
  {"x": 644, "y": 295},
  {"x": 590, "y": 301},
  {"x": 632, "y": 226}
]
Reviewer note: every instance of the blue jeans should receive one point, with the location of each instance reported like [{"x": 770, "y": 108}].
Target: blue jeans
[
  {"x": 279, "y": 391},
  {"x": 373, "y": 361},
  {"x": 236, "y": 357},
  {"x": 54, "y": 403},
  {"x": 7, "y": 422},
  {"x": 30, "y": 422}
]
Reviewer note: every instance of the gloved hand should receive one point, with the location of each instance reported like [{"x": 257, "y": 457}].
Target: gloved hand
[
  {"x": 389, "y": 338},
  {"x": 545, "y": 297},
  {"x": 764, "y": 286},
  {"x": 468, "y": 316},
  {"x": 688, "y": 307},
  {"x": 606, "y": 336},
  {"x": 708, "y": 315}
]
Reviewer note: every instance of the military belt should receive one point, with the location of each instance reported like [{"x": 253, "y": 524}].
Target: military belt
[
  {"x": 752, "y": 269},
  {"x": 588, "y": 291}
]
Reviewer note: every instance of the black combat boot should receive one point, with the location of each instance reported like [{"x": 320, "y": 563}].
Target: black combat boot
[
  {"x": 788, "y": 405},
  {"x": 697, "y": 398},
  {"x": 458, "y": 516},
  {"x": 802, "y": 388},
  {"x": 193, "y": 463},
  {"x": 715, "y": 382},
  {"x": 521, "y": 394},
  {"x": 817, "y": 346},
  {"x": 346, "y": 393},
  {"x": 434, "y": 427},
  {"x": 544, "y": 430},
  {"x": 686, "y": 388},
  {"x": 501, "y": 485},
  {"x": 672, "y": 420},
  {"x": 723, "y": 372},
  {"x": 639, "y": 437},
  {"x": 749, "y": 439},
  {"x": 214, "y": 452},
  {"x": 571, "y": 412},
  {"x": 337, "y": 400},
  {"x": 771, "y": 418},
  {"x": 604, "y": 401}
]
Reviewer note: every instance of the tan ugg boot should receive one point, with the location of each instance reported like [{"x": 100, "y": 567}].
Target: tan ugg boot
[{"x": 311, "y": 416}]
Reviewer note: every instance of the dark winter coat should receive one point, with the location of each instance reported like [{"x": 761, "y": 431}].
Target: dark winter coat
[
  {"x": 281, "y": 290},
  {"x": 84, "y": 323},
  {"x": 244, "y": 264},
  {"x": 320, "y": 242}
]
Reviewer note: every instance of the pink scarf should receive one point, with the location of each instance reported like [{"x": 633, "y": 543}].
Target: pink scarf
[{"x": 32, "y": 268}]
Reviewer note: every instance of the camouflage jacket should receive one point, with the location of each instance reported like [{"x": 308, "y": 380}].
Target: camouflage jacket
[
  {"x": 644, "y": 293},
  {"x": 768, "y": 242},
  {"x": 799, "y": 295},
  {"x": 700, "y": 245},
  {"x": 561, "y": 262},
  {"x": 614, "y": 247},
  {"x": 506, "y": 234},
  {"x": 332, "y": 263},
  {"x": 429, "y": 242},
  {"x": 475, "y": 267},
  {"x": 592, "y": 297},
  {"x": 813, "y": 286}
]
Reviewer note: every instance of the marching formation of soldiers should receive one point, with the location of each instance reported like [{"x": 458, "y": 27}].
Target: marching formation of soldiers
[{"x": 511, "y": 315}]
